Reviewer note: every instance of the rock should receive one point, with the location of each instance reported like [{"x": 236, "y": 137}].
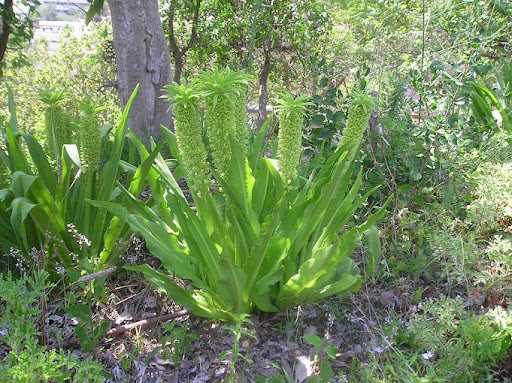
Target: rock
[{"x": 303, "y": 368}]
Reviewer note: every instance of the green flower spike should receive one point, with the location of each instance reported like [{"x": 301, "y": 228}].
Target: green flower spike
[
  {"x": 222, "y": 91},
  {"x": 192, "y": 150},
  {"x": 90, "y": 138},
  {"x": 240, "y": 104},
  {"x": 291, "y": 120},
  {"x": 57, "y": 122},
  {"x": 358, "y": 121}
]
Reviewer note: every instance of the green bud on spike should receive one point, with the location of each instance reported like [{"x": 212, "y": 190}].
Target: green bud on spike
[
  {"x": 225, "y": 93},
  {"x": 187, "y": 121},
  {"x": 90, "y": 138},
  {"x": 358, "y": 120},
  {"x": 291, "y": 121},
  {"x": 58, "y": 122},
  {"x": 240, "y": 104}
]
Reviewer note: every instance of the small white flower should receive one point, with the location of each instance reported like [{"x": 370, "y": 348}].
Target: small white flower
[{"x": 427, "y": 355}]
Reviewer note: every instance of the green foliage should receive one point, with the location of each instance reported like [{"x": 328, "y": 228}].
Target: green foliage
[
  {"x": 47, "y": 209},
  {"x": 82, "y": 67},
  {"x": 497, "y": 149},
  {"x": 257, "y": 245},
  {"x": 88, "y": 333},
  {"x": 27, "y": 361},
  {"x": 443, "y": 343},
  {"x": 374, "y": 251},
  {"x": 17, "y": 29},
  {"x": 291, "y": 121},
  {"x": 493, "y": 108},
  {"x": 324, "y": 353},
  {"x": 237, "y": 34},
  {"x": 491, "y": 210},
  {"x": 495, "y": 271},
  {"x": 4, "y": 170},
  {"x": 176, "y": 342},
  {"x": 464, "y": 346}
]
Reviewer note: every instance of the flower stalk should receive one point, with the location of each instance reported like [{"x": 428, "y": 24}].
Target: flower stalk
[
  {"x": 90, "y": 138},
  {"x": 192, "y": 151},
  {"x": 358, "y": 121},
  {"x": 291, "y": 120}
]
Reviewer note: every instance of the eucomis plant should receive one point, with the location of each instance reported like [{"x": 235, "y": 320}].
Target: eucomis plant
[
  {"x": 45, "y": 207},
  {"x": 256, "y": 239}
]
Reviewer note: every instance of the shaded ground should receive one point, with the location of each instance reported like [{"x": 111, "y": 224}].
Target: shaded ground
[
  {"x": 190, "y": 349},
  {"x": 271, "y": 343}
]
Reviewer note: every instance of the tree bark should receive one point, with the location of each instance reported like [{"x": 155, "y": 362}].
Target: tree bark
[
  {"x": 7, "y": 14},
  {"x": 142, "y": 58},
  {"x": 263, "y": 82}
]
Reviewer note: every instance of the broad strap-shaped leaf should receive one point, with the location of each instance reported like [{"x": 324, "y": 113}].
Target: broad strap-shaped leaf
[
  {"x": 21, "y": 208},
  {"x": 117, "y": 225},
  {"x": 373, "y": 247},
  {"x": 317, "y": 209},
  {"x": 21, "y": 183},
  {"x": 239, "y": 189},
  {"x": 164, "y": 283},
  {"x": 17, "y": 160},
  {"x": 268, "y": 188},
  {"x": 231, "y": 288},
  {"x": 258, "y": 144},
  {"x": 111, "y": 168},
  {"x": 41, "y": 162},
  {"x": 197, "y": 238},
  {"x": 317, "y": 272}
]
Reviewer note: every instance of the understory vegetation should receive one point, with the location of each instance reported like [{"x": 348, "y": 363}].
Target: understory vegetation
[{"x": 330, "y": 200}]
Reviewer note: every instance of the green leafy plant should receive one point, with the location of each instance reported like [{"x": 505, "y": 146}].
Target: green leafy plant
[
  {"x": 325, "y": 352},
  {"x": 492, "y": 108},
  {"x": 27, "y": 360},
  {"x": 258, "y": 244},
  {"x": 491, "y": 210},
  {"x": 88, "y": 332},
  {"x": 456, "y": 345},
  {"x": 222, "y": 90},
  {"x": 46, "y": 208},
  {"x": 176, "y": 341}
]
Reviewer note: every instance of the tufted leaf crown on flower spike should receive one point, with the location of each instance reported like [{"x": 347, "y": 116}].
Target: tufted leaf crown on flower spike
[{"x": 222, "y": 89}]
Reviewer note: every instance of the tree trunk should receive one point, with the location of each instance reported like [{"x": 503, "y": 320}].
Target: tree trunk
[
  {"x": 7, "y": 15},
  {"x": 263, "y": 82},
  {"x": 178, "y": 68},
  {"x": 142, "y": 58}
]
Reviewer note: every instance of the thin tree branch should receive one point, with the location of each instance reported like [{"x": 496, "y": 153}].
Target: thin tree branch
[
  {"x": 7, "y": 15},
  {"x": 193, "y": 34}
]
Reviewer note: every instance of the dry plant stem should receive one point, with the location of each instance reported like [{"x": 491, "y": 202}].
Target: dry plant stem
[
  {"x": 118, "y": 331},
  {"x": 142, "y": 324},
  {"x": 99, "y": 274}
]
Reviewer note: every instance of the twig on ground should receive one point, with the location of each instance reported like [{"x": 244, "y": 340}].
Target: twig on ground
[
  {"x": 118, "y": 331},
  {"x": 145, "y": 323},
  {"x": 99, "y": 274}
]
